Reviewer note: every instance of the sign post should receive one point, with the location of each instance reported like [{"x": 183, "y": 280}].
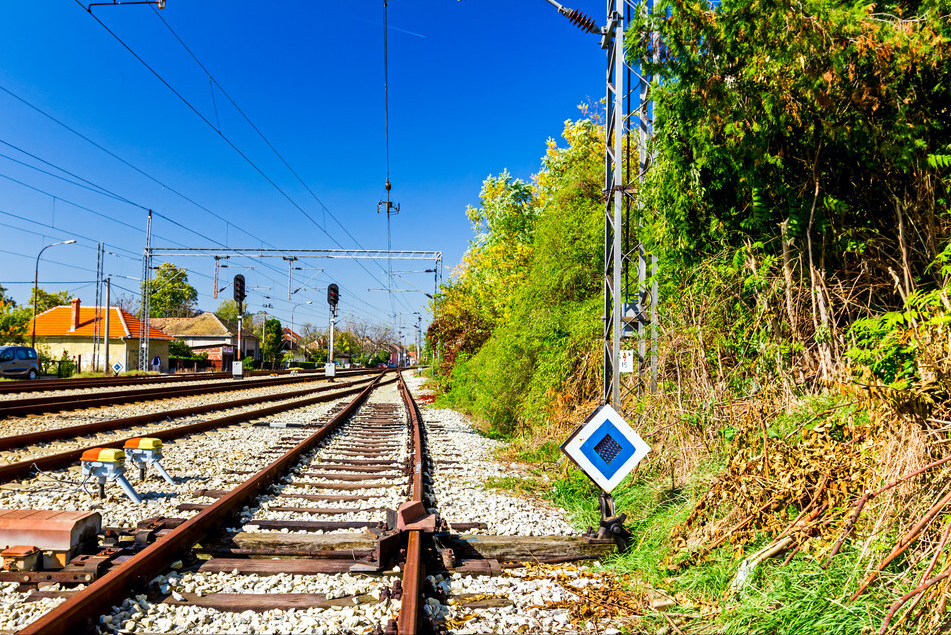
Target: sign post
[{"x": 606, "y": 449}]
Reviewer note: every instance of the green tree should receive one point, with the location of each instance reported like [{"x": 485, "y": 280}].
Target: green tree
[
  {"x": 178, "y": 348},
  {"x": 804, "y": 126},
  {"x": 228, "y": 311},
  {"x": 311, "y": 340},
  {"x": 271, "y": 340},
  {"x": 172, "y": 296},
  {"x": 510, "y": 356},
  {"x": 13, "y": 320},
  {"x": 45, "y": 300}
]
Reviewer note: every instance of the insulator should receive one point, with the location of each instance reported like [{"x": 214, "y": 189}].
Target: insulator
[
  {"x": 387, "y": 186},
  {"x": 583, "y": 21}
]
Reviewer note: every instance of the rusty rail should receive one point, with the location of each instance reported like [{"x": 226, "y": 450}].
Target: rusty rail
[
  {"x": 414, "y": 570},
  {"x": 40, "y": 385},
  {"x": 70, "y": 432},
  {"x": 63, "y": 459},
  {"x": 84, "y": 608},
  {"x": 61, "y": 403}
]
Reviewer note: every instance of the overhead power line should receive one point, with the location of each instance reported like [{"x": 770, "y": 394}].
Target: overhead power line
[
  {"x": 125, "y": 162},
  {"x": 135, "y": 168},
  {"x": 264, "y": 138},
  {"x": 222, "y": 135}
]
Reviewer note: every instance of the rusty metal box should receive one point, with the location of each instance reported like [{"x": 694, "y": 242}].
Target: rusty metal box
[{"x": 59, "y": 534}]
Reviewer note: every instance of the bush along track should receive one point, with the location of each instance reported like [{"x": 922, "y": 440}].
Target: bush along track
[{"x": 800, "y": 476}]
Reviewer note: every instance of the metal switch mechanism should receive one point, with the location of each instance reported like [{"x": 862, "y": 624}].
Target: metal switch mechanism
[
  {"x": 146, "y": 451},
  {"x": 107, "y": 464},
  {"x": 22, "y": 558}
]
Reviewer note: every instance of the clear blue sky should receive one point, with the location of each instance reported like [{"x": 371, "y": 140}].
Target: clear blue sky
[{"x": 476, "y": 86}]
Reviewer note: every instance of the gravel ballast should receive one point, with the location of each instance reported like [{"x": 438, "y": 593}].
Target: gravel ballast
[{"x": 519, "y": 601}]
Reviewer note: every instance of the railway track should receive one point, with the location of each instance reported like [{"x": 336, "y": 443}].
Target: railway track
[
  {"x": 63, "y": 403},
  {"x": 58, "y": 460},
  {"x": 44, "y": 385},
  {"x": 347, "y": 502}
]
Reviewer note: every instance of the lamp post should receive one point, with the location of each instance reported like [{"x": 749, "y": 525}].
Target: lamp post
[
  {"x": 294, "y": 307},
  {"x": 291, "y": 336},
  {"x": 264, "y": 331},
  {"x": 36, "y": 280}
]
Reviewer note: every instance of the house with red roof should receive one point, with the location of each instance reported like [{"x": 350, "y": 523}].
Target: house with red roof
[
  {"x": 72, "y": 330},
  {"x": 208, "y": 333}
]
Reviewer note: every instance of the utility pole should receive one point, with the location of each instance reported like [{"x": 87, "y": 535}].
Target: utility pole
[
  {"x": 106, "y": 367},
  {"x": 97, "y": 330},
  {"x": 419, "y": 339},
  {"x": 146, "y": 296},
  {"x": 630, "y": 307}
]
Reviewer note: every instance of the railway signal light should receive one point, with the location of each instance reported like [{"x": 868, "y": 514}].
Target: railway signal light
[
  {"x": 333, "y": 294},
  {"x": 239, "y": 292}
]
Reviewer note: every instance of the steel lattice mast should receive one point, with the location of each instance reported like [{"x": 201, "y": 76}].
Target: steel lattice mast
[{"x": 629, "y": 308}]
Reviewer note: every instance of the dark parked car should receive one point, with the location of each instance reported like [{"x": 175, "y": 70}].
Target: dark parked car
[{"x": 19, "y": 361}]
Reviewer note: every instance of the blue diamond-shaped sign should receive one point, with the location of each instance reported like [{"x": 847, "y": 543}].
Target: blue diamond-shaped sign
[{"x": 606, "y": 448}]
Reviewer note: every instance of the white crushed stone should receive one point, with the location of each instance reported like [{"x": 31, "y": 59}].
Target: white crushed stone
[
  {"x": 13, "y": 426},
  {"x": 532, "y": 609},
  {"x": 15, "y": 609},
  {"x": 460, "y": 496},
  {"x": 459, "y": 487},
  {"x": 198, "y": 461},
  {"x": 137, "y": 615}
]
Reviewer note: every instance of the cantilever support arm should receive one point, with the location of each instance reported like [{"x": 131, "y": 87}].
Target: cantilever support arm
[{"x": 160, "y": 3}]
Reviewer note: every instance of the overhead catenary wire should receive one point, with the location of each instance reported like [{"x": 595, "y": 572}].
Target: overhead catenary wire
[
  {"x": 386, "y": 96},
  {"x": 124, "y": 161},
  {"x": 95, "y": 188},
  {"x": 47, "y": 226},
  {"x": 257, "y": 130},
  {"x": 133, "y": 167},
  {"x": 274, "y": 149},
  {"x": 388, "y": 186},
  {"x": 224, "y": 137},
  {"x": 138, "y": 229},
  {"x": 98, "y": 189},
  {"x": 78, "y": 206}
]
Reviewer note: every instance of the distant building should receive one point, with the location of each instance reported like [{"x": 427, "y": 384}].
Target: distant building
[
  {"x": 71, "y": 329},
  {"x": 291, "y": 343},
  {"x": 208, "y": 333}
]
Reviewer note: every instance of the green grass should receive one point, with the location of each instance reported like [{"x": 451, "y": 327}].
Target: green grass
[
  {"x": 800, "y": 598},
  {"x": 512, "y": 484},
  {"x": 805, "y": 599}
]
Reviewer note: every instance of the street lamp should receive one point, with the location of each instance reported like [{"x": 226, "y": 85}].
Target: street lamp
[
  {"x": 36, "y": 279},
  {"x": 294, "y": 307},
  {"x": 291, "y": 335},
  {"x": 265, "y": 307}
]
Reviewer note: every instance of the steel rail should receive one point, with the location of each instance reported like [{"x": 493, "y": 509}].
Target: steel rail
[
  {"x": 83, "y": 609},
  {"x": 60, "y": 403},
  {"x": 63, "y": 459},
  {"x": 414, "y": 571},
  {"x": 70, "y": 432},
  {"x": 41, "y": 385}
]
